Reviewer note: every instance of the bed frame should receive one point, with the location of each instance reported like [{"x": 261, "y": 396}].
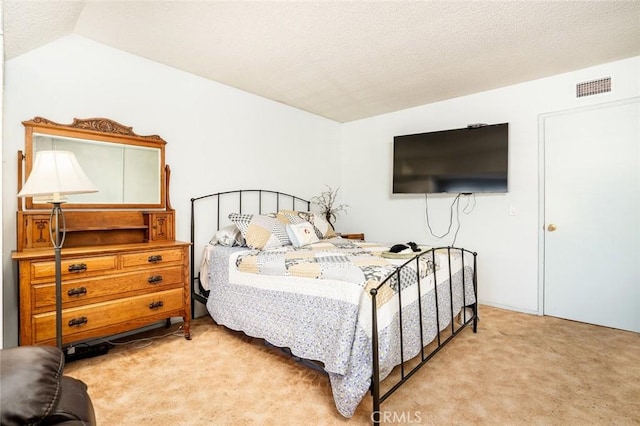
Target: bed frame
[{"x": 277, "y": 200}]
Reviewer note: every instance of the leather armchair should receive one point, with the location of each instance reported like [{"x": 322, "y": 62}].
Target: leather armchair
[{"x": 34, "y": 391}]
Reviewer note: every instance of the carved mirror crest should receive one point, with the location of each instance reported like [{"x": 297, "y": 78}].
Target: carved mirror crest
[{"x": 128, "y": 169}]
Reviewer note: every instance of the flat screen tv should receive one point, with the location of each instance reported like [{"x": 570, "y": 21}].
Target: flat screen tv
[{"x": 468, "y": 160}]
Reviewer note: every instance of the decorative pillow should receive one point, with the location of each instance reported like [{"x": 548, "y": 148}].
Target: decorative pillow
[
  {"x": 228, "y": 236},
  {"x": 261, "y": 231},
  {"x": 321, "y": 226},
  {"x": 301, "y": 234}
]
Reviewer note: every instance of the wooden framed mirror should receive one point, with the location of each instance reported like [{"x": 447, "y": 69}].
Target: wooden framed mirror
[
  {"x": 132, "y": 203},
  {"x": 128, "y": 169}
]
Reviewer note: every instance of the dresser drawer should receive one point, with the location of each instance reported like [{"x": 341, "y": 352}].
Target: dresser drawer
[
  {"x": 90, "y": 290},
  {"x": 74, "y": 267},
  {"x": 156, "y": 257},
  {"x": 83, "y": 320},
  {"x": 107, "y": 290}
]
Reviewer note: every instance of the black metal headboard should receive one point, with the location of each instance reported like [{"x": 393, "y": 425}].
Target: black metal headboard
[{"x": 217, "y": 207}]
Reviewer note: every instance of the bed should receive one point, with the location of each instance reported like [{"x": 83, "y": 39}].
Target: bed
[{"x": 369, "y": 318}]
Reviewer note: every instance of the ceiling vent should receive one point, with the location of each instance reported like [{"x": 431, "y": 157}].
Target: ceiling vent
[{"x": 593, "y": 87}]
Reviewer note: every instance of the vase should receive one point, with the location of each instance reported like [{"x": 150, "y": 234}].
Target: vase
[{"x": 329, "y": 216}]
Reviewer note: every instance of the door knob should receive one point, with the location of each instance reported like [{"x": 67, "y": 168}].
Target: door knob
[{"x": 551, "y": 227}]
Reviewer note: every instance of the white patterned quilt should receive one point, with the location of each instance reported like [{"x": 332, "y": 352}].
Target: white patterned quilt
[{"x": 315, "y": 301}]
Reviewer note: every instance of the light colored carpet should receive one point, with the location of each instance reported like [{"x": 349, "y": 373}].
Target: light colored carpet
[{"x": 518, "y": 369}]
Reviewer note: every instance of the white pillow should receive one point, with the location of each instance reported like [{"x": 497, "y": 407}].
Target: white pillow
[
  {"x": 301, "y": 234},
  {"x": 228, "y": 236}
]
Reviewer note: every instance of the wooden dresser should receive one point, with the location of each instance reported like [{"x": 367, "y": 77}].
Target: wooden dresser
[
  {"x": 121, "y": 266},
  {"x": 106, "y": 290}
]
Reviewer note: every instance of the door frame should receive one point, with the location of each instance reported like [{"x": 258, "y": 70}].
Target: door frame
[{"x": 541, "y": 182}]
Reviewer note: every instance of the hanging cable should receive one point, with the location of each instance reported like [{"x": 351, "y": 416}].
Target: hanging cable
[
  {"x": 469, "y": 197},
  {"x": 426, "y": 202},
  {"x": 456, "y": 202}
]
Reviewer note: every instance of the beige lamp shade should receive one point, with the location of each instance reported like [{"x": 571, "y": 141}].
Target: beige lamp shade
[{"x": 54, "y": 174}]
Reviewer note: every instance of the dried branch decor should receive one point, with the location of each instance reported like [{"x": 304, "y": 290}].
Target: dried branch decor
[{"x": 325, "y": 204}]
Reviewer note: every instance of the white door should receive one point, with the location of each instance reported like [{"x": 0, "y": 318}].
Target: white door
[{"x": 592, "y": 215}]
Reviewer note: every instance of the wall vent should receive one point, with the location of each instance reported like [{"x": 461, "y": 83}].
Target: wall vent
[{"x": 588, "y": 88}]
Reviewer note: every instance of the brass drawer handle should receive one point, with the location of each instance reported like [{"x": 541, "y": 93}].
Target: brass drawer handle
[
  {"x": 155, "y": 279},
  {"x": 76, "y": 322},
  {"x": 155, "y": 258},
  {"x": 77, "y": 267},
  {"x": 156, "y": 305},
  {"x": 77, "y": 291}
]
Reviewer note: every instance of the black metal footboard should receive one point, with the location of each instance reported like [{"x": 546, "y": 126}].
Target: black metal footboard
[{"x": 444, "y": 336}]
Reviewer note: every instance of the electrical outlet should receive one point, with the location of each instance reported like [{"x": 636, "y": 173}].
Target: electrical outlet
[{"x": 513, "y": 210}]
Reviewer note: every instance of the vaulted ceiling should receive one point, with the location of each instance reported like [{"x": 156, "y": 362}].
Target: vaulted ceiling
[{"x": 344, "y": 60}]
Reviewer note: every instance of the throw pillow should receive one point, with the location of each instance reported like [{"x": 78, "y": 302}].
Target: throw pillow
[
  {"x": 261, "y": 231},
  {"x": 228, "y": 236},
  {"x": 322, "y": 228},
  {"x": 301, "y": 234}
]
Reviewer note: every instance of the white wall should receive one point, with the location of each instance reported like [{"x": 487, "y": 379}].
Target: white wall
[
  {"x": 218, "y": 138},
  {"x": 507, "y": 245},
  {"x": 1, "y": 161}
]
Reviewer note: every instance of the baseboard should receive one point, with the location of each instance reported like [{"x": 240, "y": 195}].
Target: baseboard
[{"x": 508, "y": 308}]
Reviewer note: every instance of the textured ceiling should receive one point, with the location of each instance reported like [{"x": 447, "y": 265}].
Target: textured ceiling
[{"x": 345, "y": 60}]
